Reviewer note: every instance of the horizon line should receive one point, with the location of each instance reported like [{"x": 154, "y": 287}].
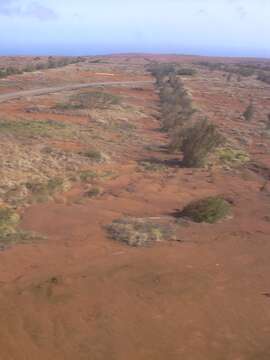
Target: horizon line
[{"x": 135, "y": 53}]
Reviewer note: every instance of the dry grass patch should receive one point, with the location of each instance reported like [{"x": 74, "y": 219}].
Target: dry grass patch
[
  {"x": 140, "y": 231},
  {"x": 46, "y": 190},
  {"x": 89, "y": 100},
  {"x": 232, "y": 157},
  {"x": 9, "y": 234},
  {"x": 26, "y": 129},
  {"x": 95, "y": 155},
  {"x": 152, "y": 166}
]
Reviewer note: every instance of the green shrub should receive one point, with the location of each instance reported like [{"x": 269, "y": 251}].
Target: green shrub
[
  {"x": 198, "y": 141},
  {"x": 93, "y": 192},
  {"x": 161, "y": 70},
  {"x": 186, "y": 72},
  {"x": 249, "y": 112},
  {"x": 94, "y": 155},
  {"x": 208, "y": 210}
]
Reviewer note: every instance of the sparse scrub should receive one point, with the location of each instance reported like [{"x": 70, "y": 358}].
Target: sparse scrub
[
  {"x": 34, "y": 128},
  {"x": 9, "y": 233},
  {"x": 159, "y": 71},
  {"x": 249, "y": 112},
  {"x": 88, "y": 175},
  {"x": 94, "y": 155},
  {"x": 96, "y": 99},
  {"x": 232, "y": 157},
  {"x": 52, "y": 63},
  {"x": 186, "y": 72},
  {"x": 122, "y": 126},
  {"x": 140, "y": 232},
  {"x": 176, "y": 103},
  {"x": 208, "y": 210},
  {"x": 89, "y": 100},
  {"x": 44, "y": 191},
  {"x": 229, "y": 77},
  {"x": 198, "y": 141},
  {"x": 93, "y": 192},
  {"x": 264, "y": 76},
  {"x": 268, "y": 122},
  {"x": 152, "y": 166},
  {"x": 68, "y": 106},
  {"x": 9, "y": 219},
  {"x": 244, "y": 70}
]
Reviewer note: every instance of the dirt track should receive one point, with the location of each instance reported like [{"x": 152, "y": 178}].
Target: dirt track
[{"x": 49, "y": 90}]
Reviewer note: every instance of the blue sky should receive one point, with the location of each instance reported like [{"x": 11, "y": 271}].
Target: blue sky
[{"x": 82, "y": 27}]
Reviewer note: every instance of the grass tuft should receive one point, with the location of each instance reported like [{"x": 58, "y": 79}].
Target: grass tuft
[{"x": 139, "y": 232}]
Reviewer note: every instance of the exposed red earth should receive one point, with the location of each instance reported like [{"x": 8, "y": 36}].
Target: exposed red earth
[{"x": 78, "y": 294}]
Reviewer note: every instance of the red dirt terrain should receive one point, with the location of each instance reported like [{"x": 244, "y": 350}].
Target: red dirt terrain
[{"x": 77, "y": 294}]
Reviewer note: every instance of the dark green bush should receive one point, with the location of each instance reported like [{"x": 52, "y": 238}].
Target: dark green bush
[
  {"x": 208, "y": 210},
  {"x": 93, "y": 192},
  {"x": 186, "y": 72}
]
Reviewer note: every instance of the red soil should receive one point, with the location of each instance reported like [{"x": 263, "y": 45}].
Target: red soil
[{"x": 79, "y": 295}]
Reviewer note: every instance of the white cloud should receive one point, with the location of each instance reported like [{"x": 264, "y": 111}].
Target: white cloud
[{"x": 33, "y": 9}]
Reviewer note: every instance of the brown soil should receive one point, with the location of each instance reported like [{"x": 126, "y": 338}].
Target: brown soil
[{"x": 79, "y": 295}]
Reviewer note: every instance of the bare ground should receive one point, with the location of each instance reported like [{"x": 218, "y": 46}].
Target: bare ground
[{"x": 80, "y": 295}]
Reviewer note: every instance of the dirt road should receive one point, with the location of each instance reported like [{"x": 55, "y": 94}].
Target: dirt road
[{"x": 54, "y": 89}]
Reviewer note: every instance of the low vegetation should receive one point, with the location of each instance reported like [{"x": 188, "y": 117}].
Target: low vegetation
[
  {"x": 89, "y": 100},
  {"x": 88, "y": 175},
  {"x": 249, "y": 112},
  {"x": 9, "y": 219},
  {"x": 198, "y": 141},
  {"x": 140, "y": 231},
  {"x": 239, "y": 69},
  {"x": 195, "y": 139},
  {"x": 186, "y": 72},
  {"x": 264, "y": 76},
  {"x": 93, "y": 192},
  {"x": 94, "y": 155},
  {"x": 9, "y": 233},
  {"x": 34, "y": 128},
  {"x": 232, "y": 157},
  {"x": 208, "y": 210},
  {"x": 152, "y": 166},
  {"x": 51, "y": 63},
  {"x": 267, "y": 125},
  {"x": 43, "y": 191}
]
